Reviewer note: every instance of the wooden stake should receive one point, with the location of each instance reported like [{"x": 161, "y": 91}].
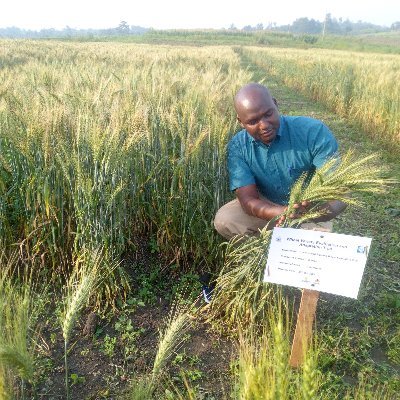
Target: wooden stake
[{"x": 305, "y": 319}]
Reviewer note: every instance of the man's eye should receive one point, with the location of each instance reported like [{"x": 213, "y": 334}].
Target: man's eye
[{"x": 253, "y": 122}]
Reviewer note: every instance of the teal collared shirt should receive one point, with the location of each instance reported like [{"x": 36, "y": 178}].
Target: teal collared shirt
[{"x": 301, "y": 144}]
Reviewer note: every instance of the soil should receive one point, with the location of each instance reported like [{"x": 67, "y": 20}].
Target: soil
[{"x": 96, "y": 373}]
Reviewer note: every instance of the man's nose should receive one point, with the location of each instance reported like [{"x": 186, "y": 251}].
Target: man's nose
[{"x": 264, "y": 122}]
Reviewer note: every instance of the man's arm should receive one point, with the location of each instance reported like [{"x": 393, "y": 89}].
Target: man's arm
[{"x": 252, "y": 204}]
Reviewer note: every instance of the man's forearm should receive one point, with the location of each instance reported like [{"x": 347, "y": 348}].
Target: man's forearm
[{"x": 262, "y": 208}]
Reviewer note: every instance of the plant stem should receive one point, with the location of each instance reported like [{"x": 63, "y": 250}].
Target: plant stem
[{"x": 66, "y": 369}]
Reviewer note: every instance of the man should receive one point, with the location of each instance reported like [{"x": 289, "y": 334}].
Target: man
[{"x": 265, "y": 159}]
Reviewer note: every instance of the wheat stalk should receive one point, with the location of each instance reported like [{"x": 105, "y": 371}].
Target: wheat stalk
[
  {"x": 15, "y": 322},
  {"x": 179, "y": 322},
  {"x": 4, "y": 385},
  {"x": 84, "y": 279},
  {"x": 310, "y": 376},
  {"x": 80, "y": 286},
  {"x": 11, "y": 357},
  {"x": 338, "y": 179},
  {"x": 264, "y": 372}
]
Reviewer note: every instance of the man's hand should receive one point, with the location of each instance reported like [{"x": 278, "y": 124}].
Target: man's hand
[
  {"x": 329, "y": 210},
  {"x": 299, "y": 210}
]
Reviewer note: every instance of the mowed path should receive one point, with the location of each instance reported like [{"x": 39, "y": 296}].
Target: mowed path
[{"x": 358, "y": 334}]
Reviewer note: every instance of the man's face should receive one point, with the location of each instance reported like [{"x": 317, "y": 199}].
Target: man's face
[{"x": 259, "y": 115}]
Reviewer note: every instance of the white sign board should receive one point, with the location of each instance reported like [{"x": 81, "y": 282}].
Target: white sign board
[{"x": 323, "y": 261}]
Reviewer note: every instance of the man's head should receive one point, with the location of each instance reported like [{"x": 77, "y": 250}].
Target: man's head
[{"x": 257, "y": 112}]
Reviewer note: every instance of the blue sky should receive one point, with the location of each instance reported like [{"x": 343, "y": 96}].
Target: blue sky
[{"x": 36, "y": 14}]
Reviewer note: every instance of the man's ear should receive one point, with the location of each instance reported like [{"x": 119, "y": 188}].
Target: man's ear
[
  {"x": 240, "y": 122},
  {"x": 275, "y": 102}
]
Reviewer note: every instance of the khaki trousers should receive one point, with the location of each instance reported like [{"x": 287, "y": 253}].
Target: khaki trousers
[{"x": 231, "y": 220}]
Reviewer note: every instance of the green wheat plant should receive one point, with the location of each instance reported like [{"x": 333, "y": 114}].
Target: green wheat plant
[
  {"x": 97, "y": 153},
  {"x": 264, "y": 371},
  {"x": 18, "y": 315},
  {"x": 4, "y": 385},
  {"x": 240, "y": 295},
  {"x": 178, "y": 323},
  {"x": 310, "y": 377},
  {"x": 338, "y": 179},
  {"x": 263, "y": 368},
  {"x": 84, "y": 279}
]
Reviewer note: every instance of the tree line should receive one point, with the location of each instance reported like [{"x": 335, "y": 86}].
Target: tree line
[
  {"x": 304, "y": 25},
  {"x": 330, "y": 25},
  {"x": 122, "y": 29}
]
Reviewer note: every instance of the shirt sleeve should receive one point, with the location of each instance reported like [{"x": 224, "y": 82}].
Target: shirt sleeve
[
  {"x": 239, "y": 171},
  {"x": 324, "y": 145}
]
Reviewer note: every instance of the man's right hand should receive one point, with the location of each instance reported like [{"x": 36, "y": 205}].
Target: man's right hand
[{"x": 299, "y": 210}]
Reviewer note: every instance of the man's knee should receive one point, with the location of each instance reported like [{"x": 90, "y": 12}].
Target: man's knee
[
  {"x": 231, "y": 220},
  {"x": 222, "y": 225}
]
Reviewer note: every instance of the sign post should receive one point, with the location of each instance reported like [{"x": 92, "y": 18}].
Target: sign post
[
  {"x": 305, "y": 319},
  {"x": 317, "y": 262}
]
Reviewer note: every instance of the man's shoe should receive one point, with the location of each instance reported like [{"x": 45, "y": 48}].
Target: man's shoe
[
  {"x": 207, "y": 287},
  {"x": 207, "y": 293}
]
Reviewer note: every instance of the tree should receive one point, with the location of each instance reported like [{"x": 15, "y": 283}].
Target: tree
[
  {"x": 331, "y": 24},
  {"x": 395, "y": 26},
  {"x": 123, "y": 28},
  {"x": 305, "y": 25}
]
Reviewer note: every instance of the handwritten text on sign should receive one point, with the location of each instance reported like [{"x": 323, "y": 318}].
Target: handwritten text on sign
[{"x": 323, "y": 261}]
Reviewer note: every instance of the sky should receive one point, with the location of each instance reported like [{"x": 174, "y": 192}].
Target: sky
[{"x": 187, "y": 14}]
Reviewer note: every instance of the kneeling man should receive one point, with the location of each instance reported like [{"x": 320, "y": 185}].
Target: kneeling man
[{"x": 264, "y": 160}]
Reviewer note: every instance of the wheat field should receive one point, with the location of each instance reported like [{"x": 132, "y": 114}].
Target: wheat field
[
  {"x": 105, "y": 143},
  {"x": 360, "y": 86}
]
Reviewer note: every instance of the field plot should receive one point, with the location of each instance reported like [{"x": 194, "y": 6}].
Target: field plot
[
  {"x": 360, "y": 86},
  {"x": 112, "y": 166}
]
